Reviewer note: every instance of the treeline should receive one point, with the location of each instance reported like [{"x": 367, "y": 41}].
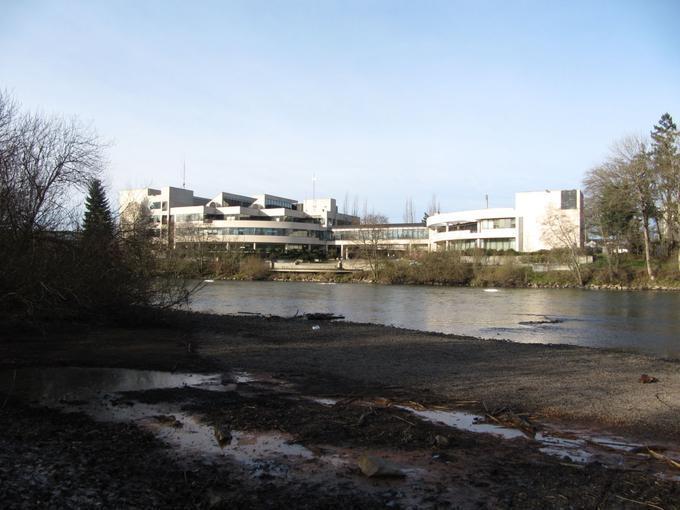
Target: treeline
[
  {"x": 633, "y": 202},
  {"x": 55, "y": 264}
]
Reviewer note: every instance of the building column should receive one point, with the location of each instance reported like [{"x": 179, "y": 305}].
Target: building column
[
  {"x": 342, "y": 252},
  {"x": 254, "y": 246}
]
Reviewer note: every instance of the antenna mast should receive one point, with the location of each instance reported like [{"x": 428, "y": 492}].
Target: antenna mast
[
  {"x": 314, "y": 186},
  {"x": 184, "y": 174},
  {"x": 487, "y": 200}
]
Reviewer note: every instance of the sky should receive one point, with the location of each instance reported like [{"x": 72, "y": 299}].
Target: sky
[{"x": 379, "y": 100}]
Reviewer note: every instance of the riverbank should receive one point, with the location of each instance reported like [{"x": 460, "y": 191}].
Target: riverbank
[
  {"x": 449, "y": 269},
  {"x": 363, "y": 373},
  {"x": 555, "y": 282}
]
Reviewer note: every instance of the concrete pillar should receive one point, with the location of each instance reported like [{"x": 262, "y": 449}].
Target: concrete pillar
[
  {"x": 254, "y": 246},
  {"x": 342, "y": 252}
]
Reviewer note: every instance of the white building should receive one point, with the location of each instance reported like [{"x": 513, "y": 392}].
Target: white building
[
  {"x": 540, "y": 220},
  {"x": 231, "y": 221}
]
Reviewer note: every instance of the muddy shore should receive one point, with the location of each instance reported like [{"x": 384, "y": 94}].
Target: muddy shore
[{"x": 364, "y": 377}]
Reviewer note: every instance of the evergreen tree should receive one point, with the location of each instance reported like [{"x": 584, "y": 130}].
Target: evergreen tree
[
  {"x": 98, "y": 222},
  {"x": 666, "y": 163}
]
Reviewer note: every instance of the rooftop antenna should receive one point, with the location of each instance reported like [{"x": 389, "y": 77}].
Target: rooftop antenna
[
  {"x": 184, "y": 173},
  {"x": 487, "y": 200},
  {"x": 314, "y": 186}
]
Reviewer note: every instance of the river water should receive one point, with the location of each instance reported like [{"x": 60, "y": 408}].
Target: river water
[{"x": 647, "y": 322}]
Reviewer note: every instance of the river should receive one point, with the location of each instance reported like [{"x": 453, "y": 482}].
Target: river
[{"x": 643, "y": 321}]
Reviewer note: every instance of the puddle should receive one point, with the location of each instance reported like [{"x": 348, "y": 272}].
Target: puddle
[
  {"x": 577, "y": 446},
  {"x": 95, "y": 391},
  {"x": 465, "y": 421},
  {"x": 571, "y": 449},
  {"x": 327, "y": 402},
  {"x": 58, "y": 384},
  {"x": 242, "y": 377}
]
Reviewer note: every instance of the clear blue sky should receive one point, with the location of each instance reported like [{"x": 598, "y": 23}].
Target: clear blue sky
[{"x": 384, "y": 100}]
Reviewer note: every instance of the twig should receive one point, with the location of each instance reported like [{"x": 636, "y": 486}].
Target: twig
[
  {"x": 667, "y": 460},
  {"x": 405, "y": 421},
  {"x": 643, "y": 503},
  {"x": 664, "y": 403}
]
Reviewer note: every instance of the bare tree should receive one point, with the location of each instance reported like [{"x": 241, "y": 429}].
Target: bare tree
[
  {"x": 433, "y": 207},
  {"x": 409, "y": 214},
  {"x": 610, "y": 212},
  {"x": 370, "y": 237},
  {"x": 43, "y": 162},
  {"x": 563, "y": 235},
  {"x": 355, "y": 206},
  {"x": 632, "y": 160}
]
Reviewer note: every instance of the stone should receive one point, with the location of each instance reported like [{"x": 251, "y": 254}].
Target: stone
[{"x": 377, "y": 467}]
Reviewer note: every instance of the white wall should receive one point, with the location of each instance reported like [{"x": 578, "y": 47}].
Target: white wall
[{"x": 534, "y": 208}]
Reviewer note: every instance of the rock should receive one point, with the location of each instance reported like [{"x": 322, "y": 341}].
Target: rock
[
  {"x": 376, "y": 467},
  {"x": 441, "y": 441},
  {"x": 168, "y": 421},
  {"x": 646, "y": 379},
  {"x": 223, "y": 436}
]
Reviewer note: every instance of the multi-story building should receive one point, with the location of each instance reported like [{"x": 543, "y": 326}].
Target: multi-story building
[
  {"x": 233, "y": 221},
  {"x": 540, "y": 220}
]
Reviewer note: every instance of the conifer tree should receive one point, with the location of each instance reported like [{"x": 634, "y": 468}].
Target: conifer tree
[
  {"x": 98, "y": 221},
  {"x": 666, "y": 162}
]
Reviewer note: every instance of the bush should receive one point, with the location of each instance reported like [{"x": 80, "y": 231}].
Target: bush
[
  {"x": 505, "y": 275},
  {"x": 253, "y": 267}
]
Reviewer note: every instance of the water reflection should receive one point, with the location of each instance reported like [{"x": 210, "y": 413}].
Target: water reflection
[
  {"x": 55, "y": 384},
  {"x": 645, "y": 321}
]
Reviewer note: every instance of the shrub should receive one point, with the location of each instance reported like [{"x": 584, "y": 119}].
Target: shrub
[
  {"x": 505, "y": 275},
  {"x": 253, "y": 267}
]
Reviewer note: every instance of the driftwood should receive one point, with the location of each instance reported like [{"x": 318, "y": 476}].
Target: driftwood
[{"x": 298, "y": 316}]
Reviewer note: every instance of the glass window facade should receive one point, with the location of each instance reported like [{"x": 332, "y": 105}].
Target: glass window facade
[
  {"x": 382, "y": 233},
  {"x": 463, "y": 244},
  {"x": 188, "y": 217},
  {"x": 498, "y": 223},
  {"x": 499, "y": 244},
  {"x": 470, "y": 227},
  {"x": 252, "y": 231},
  {"x": 568, "y": 199}
]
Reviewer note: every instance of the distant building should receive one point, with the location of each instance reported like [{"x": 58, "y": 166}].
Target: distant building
[
  {"x": 540, "y": 220},
  {"x": 230, "y": 221}
]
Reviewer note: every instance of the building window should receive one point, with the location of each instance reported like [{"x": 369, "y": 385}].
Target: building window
[
  {"x": 498, "y": 244},
  {"x": 498, "y": 223},
  {"x": 568, "y": 199},
  {"x": 464, "y": 244}
]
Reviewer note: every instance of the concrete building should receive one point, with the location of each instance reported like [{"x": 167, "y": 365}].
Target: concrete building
[
  {"x": 390, "y": 238},
  {"x": 540, "y": 220},
  {"x": 230, "y": 221}
]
